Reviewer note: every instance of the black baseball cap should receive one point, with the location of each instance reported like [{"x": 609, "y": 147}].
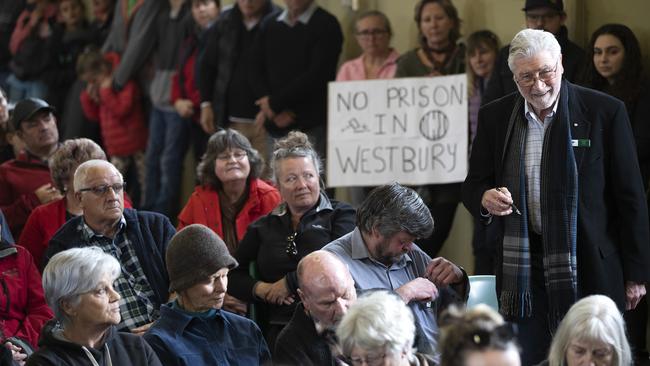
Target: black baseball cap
[
  {"x": 27, "y": 108},
  {"x": 556, "y": 5}
]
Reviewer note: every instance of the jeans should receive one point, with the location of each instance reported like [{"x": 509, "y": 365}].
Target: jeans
[
  {"x": 21, "y": 89},
  {"x": 168, "y": 140}
]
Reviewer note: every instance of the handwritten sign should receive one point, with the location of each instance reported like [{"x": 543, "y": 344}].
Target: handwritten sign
[{"x": 411, "y": 130}]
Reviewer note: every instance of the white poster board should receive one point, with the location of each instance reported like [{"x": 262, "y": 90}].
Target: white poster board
[{"x": 410, "y": 130}]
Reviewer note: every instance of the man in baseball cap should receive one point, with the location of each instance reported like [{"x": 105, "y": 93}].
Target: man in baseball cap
[{"x": 25, "y": 181}]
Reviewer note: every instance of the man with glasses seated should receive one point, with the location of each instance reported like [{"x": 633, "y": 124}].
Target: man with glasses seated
[
  {"x": 137, "y": 239},
  {"x": 547, "y": 15},
  {"x": 565, "y": 157}
]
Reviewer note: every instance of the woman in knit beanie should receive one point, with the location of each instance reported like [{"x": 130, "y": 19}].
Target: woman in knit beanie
[{"x": 193, "y": 329}]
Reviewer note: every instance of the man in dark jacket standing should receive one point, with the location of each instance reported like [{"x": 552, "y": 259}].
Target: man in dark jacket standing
[
  {"x": 547, "y": 15},
  {"x": 553, "y": 168},
  {"x": 227, "y": 98},
  {"x": 137, "y": 239},
  {"x": 297, "y": 55}
]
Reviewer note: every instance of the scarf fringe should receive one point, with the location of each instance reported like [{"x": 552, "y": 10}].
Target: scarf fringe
[{"x": 516, "y": 304}]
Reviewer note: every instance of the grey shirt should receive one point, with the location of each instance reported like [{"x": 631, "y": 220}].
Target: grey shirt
[{"x": 371, "y": 274}]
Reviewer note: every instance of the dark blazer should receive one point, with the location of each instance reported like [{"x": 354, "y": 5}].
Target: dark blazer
[{"x": 613, "y": 235}]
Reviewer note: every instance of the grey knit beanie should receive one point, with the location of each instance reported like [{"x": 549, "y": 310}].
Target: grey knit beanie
[{"x": 193, "y": 255}]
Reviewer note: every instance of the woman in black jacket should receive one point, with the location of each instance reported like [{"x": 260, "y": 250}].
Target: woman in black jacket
[{"x": 78, "y": 286}]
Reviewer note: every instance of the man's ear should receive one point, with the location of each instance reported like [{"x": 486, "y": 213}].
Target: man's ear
[
  {"x": 302, "y": 296},
  {"x": 77, "y": 195}
]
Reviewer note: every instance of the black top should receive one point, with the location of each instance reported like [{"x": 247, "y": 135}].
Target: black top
[
  {"x": 240, "y": 96},
  {"x": 295, "y": 64},
  {"x": 300, "y": 344},
  {"x": 124, "y": 349},
  {"x": 265, "y": 242}
]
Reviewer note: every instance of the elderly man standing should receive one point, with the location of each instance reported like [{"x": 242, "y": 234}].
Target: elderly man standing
[
  {"x": 297, "y": 53},
  {"x": 547, "y": 15},
  {"x": 554, "y": 167},
  {"x": 137, "y": 239},
  {"x": 25, "y": 181},
  {"x": 326, "y": 290},
  {"x": 380, "y": 253}
]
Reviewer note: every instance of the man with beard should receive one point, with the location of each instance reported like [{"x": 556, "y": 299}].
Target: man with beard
[
  {"x": 326, "y": 290},
  {"x": 380, "y": 253}
]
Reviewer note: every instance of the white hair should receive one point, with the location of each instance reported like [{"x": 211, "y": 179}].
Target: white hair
[
  {"x": 530, "y": 42},
  {"x": 594, "y": 318},
  {"x": 378, "y": 321},
  {"x": 82, "y": 171},
  {"x": 74, "y": 272}
]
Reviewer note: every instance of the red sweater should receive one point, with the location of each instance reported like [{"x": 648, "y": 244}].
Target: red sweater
[
  {"x": 25, "y": 311},
  {"x": 19, "y": 178},
  {"x": 120, "y": 115},
  {"x": 203, "y": 207},
  {"x": 188, "y": 90},
  {"x": 41, "y": 226}
]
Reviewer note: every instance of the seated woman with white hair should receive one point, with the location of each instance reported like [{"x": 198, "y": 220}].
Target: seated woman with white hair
[
  {"x": 591, "y": 333},
  {"x": 477, "y": 337},
  {"x": 78, "y": 286},
  {"x": 378, "y": 329}
]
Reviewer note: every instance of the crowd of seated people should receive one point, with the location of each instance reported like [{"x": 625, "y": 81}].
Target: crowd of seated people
[{"x": 235, "y": 274}]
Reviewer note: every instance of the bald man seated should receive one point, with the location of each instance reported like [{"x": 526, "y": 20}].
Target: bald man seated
[{"x": 326, "y": 290}]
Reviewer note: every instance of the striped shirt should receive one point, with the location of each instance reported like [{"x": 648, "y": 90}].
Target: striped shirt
[
  {"x": 533, "y": 163},
  {"x": 136, "y": 305}
]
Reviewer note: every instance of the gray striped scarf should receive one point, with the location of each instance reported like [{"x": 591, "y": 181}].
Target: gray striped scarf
[{"x": 559, "y": 198}]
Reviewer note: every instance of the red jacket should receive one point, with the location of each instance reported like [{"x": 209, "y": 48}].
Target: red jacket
[
  {"x": 120, "y": 115},
  {"x": 203, "y": 207},
  {"x": 41, "y": 226},
  {"x": 23, "y": 310},
  {"x": 19, "y": 178},
  {"x": 188, "y": 90}
]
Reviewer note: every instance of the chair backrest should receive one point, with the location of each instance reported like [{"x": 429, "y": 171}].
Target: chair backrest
[{"x": 483, "y": 290}]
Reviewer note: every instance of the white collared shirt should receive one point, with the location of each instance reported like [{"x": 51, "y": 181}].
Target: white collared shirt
[{"x": 303, "y": 18}]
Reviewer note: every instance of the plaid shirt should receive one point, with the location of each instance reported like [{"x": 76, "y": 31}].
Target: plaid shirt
[
  {"x": 136, "y": 305},
  {"x": 533, "y": 162}
]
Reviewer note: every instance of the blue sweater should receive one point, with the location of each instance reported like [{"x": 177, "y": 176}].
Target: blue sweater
[{"x": 220, "y": 338}]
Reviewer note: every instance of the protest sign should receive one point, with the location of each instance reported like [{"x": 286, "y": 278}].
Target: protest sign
[{"x": 410, "y": 130}]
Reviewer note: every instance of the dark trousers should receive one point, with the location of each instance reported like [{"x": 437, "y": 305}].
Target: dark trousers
[
  {"x": 484, "y": 247},
  {"x": 535, "y": 332},
  {"x": 442, "y": 200}
]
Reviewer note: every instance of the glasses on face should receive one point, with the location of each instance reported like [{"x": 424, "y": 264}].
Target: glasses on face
[
  {"x": 369, "y": 360},
  {"x": 292, "y": 249},
  {"x": 239, "y": 155},
  {"x": 367, "y": 33},
  {"x": 529, "y": 79},
  {"x": 102, "y": 189},
  {"x": 541, "y": 17}
]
